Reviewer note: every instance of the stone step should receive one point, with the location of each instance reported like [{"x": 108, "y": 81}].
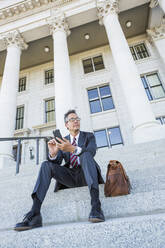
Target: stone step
[
  {"x": 71, "y": 205},
  {"x": 24, "y": 170},
  {"x": 141, "y": 181},
  {"x": 135, "y": 157},
  {"x": 147, "y": 196},
  {"x": 129, "y": 232}
]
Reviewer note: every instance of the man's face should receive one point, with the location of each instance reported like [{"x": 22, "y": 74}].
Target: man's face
[{"x": 73, "y": 124}]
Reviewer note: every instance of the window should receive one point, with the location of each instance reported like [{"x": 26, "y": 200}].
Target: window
[
  {"x": 49, "y": 110},
  {"x": 100, "y": 99},
  {"x": 161, "y": 119},
  {"x": 93, "y": 64},
  {"x": 49, "y": 76},
  {"x": 153, "y": 86},
  {"x": 15, "y": 148},
  {"x": 115, "y": 136},
  {"x": 108, "y": 137},
  {"x": 139, "y": 51},
  {"x": 19, "y": 117},
  {"x": 22, "y": 84},
  {"x": 101, "y": 138}
]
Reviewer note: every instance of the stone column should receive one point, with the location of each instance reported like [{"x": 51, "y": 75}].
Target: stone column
[
  {"x": 161, "y": 3},
  {"x": 14, "y": 43},
  {"x": 62, "y": 74},
  {"x": 138, "y": 105},
  {"x": 157, "y": 37}
]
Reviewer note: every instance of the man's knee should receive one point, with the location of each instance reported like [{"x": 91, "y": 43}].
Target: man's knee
[
  {"x": 45, "y": 165},
  {"x": 87, "y": 156}
]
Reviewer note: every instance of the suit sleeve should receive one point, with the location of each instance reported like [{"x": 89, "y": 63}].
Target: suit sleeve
[
  {"x": 58, "y": 159},
  {"x": 89, "y": 145}
]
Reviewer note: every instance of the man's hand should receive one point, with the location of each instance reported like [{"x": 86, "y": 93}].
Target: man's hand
[
  {"x": 52, "y": 146},
  {"x": 65, "y": 145}
]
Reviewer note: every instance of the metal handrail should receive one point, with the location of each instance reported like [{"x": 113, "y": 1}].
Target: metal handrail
[{"x": 19, "y": 139}]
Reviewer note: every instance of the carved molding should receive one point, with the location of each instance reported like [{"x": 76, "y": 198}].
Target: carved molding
[
  {"x": 153, "y": 3},
  {"x": 57, "y": 21},
  {"x": 106, "y": 7},
  {"x": 28, "y": 5},
  {"x": 157, "y": 32},
  {"x": 45, "y": 125},
  {"x": 24, "y": 131},
  {"x": 14, "y": 38}
]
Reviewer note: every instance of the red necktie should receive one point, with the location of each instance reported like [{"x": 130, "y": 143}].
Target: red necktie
[{"x": 73, "y": 157}]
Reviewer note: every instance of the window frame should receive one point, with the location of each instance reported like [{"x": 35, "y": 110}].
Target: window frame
[
  {"x": 93, "y": 66},
  {"x": 104, "y": 129},
  {"x": 120, "y": 136},
  {"x": 109, "y": 145},
  {"x": 21, "y": 118},
  {"x": 134, "y": 53},
  {"x": 45, "y": 79},
  {"x": 100, "y": 98},
  {"x": 15, "y": 151},
  {"x": 24, "y": 77},
  {"x": 45, "y": 112},
  {"x": 150, "y": 88}
]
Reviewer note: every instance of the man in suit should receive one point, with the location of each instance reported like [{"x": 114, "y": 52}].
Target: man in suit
[{"x": 80, "y": 169}]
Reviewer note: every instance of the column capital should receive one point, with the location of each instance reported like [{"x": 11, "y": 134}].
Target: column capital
[
  {"x": 57, "y": 22},
  {"x": 157, "y": 32},
  {"x": 106, "y": 7},
  {"x": 153, "y": 3},
  {"x": 14, "y": 38}
]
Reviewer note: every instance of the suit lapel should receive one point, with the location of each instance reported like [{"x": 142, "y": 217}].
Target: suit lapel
[
  {"x": 68, "y": 153},
  {"x": 81, "y": 139}
]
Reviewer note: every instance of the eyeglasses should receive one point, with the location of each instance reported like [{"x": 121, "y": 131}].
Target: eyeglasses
[{"x": 74, "y": 119}]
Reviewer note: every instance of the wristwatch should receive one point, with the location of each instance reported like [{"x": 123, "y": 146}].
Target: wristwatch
[{"x": 75, "y": 151}]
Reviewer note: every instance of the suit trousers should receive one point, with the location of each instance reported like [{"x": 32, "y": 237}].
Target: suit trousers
[{"x": 70, "y": 177}]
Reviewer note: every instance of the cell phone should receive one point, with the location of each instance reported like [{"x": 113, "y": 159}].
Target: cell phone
[{"x": 57, "y": 134}]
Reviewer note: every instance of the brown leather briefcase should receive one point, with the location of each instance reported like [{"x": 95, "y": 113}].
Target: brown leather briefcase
[{"x": 117, "y": 181}]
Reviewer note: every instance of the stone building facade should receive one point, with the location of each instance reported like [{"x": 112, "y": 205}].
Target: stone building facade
[{"x": 104, "y": 58}]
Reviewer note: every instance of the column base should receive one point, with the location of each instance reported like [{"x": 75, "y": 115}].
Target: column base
[
  {"x": 7, "y": 161},
  {"x": 147, "y": 134}
]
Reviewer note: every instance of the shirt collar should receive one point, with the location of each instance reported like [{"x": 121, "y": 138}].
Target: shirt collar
[{"x": 77, "y": 137}]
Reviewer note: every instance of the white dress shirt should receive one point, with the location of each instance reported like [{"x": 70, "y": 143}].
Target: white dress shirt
[{"x": 78, "y": 149}]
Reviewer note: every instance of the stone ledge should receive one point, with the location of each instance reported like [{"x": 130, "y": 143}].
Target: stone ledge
[
  {"x": 22, "y": 131},
  {"x": 74, "y": 204},
  {"x": 132, "y": 232},
  {"x": 45, "y": 125}
]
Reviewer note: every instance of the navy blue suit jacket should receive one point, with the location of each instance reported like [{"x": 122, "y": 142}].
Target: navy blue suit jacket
[{"x": 88, "y": 144}]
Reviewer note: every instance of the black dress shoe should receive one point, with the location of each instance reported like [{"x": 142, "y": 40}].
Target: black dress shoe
[
  {"x": 30, "y": 221},
  {"x": 96, "y": 215}
]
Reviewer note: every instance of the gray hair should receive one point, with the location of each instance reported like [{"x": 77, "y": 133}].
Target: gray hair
[{"x": 71, "y": 111}]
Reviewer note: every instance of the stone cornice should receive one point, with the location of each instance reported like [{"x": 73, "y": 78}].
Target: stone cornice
[
  {"x": 106, "y": 7},
  {"x": 28, "y": 5},
  {"x": 45, "y": 125},
  {"x": 57, "y": 21},
  {"x": 153, "y": 3},
  {"x": 22, "y": 131},
  {"x": 157, "y": 32},
  {"x": 14, "y": 38}
]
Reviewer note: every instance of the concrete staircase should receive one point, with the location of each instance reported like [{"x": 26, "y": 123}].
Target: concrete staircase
[
  {"x": 135, "y": 220},
  {"x": 126, "y": 232}
]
